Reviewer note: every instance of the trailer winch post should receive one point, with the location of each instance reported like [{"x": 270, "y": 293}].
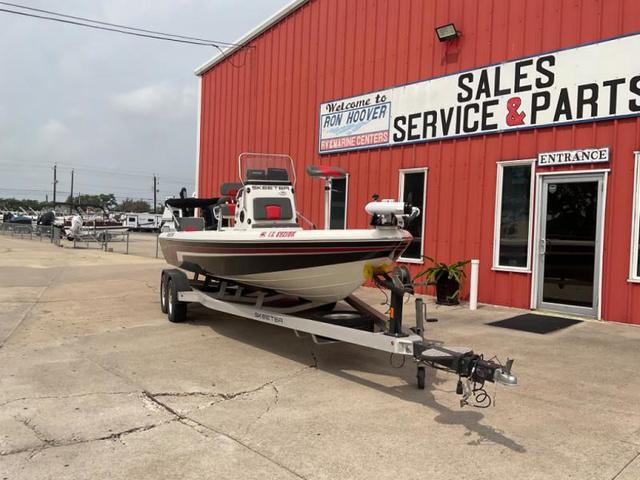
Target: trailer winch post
[{"x": 398, "y": 283}]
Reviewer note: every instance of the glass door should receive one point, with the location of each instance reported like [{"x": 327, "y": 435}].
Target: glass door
[
  {"x": 569, "y": 243},
  {"x": 413, "y": 185},
  {"x": 338, "y": 203}
]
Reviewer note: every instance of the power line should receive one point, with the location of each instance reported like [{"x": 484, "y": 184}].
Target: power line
[
  {"x": 97, "y": 27},
  {"x": 84, "y": 19},
  {"x": 102, "y": 171}
]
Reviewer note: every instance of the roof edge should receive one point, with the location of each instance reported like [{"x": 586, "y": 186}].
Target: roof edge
[{"x": 249, "y": 36}]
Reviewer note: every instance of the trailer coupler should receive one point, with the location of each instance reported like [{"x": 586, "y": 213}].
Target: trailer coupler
[{"x": 472, "y": 370}]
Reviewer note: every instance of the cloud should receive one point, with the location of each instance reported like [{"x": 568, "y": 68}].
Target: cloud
[
  {"x": 108, "y": 101},
  {"x": 159, "y": 99},
  {"x": 53, "y": 132}
]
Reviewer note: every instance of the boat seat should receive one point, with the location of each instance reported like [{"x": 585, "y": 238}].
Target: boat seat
[
  {"x": 254, "y": 174},
  {"x": 230, "y": 189},
  {"x": 272, "y": 209},
  {"x": 277, "y": 175},
  {"x": 190, "y": 224}
]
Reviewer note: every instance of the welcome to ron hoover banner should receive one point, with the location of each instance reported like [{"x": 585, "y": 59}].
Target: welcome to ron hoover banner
[{"x": 587, "y": 83}]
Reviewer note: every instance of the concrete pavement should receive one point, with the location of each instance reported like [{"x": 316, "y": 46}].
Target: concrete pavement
[{"x": 96, "y": 383}]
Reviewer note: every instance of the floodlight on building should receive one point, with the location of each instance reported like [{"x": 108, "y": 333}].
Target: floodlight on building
[{"x": 447, "y": 32}]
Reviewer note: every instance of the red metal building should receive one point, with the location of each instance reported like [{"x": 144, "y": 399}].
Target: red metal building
[{"x": 517, "y": 136}]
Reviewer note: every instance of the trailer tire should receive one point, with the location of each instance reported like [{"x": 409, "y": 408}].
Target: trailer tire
[
  {"x": 176, "y": 310},
  {"x": 164, "y": 295}
]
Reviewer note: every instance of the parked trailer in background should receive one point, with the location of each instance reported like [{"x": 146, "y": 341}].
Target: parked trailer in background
[{"x": 142, "y": 222}]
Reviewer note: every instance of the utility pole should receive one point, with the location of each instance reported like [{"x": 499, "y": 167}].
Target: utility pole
[
  {"x": 70, "y": 207},
  {"x": 155, "y": 191},
  {"x": 55, "y": 181}
]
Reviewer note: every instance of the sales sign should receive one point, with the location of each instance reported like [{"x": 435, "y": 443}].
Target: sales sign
[{"x": 593, "y": 82}]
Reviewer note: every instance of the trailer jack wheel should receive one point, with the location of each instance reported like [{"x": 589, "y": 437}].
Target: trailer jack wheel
[
  {"x": 421, "y": 377},
  {"x": 164, "y": 294},
  {"x": 176, "y": 310}
]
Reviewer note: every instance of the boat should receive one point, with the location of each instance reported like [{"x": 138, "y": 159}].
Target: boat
[{"x": 253, "y": 235}]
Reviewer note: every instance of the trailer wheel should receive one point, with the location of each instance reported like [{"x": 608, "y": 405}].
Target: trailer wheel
[
  {"x": 176, "y": 310},
  {"x": 164, "y": 295},
  {"x": 421, "y": 377}
]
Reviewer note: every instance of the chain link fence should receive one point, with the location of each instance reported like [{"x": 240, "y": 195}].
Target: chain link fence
[{"x": 96, "y": 238}]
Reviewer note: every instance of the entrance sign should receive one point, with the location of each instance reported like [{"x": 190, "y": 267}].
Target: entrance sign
[
  {"x": 597, "y": 81},
  {"x": 587, "y": 155}
]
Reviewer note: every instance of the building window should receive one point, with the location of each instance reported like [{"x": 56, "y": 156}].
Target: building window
[
  {"x": 514, "y": 204},
  {"x": 338, "y": 203},
  {"x": 634, "y": 268},
  {"x": 413, "y": 189}
]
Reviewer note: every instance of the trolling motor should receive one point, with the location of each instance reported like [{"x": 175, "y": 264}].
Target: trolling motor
[{"x": 472, "y": 369}]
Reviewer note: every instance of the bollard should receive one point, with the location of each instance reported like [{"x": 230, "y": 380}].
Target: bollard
[{"x": 473, "y": 294}]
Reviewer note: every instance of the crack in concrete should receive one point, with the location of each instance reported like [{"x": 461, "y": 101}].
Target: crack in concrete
[
  {"x": 49, "y": 443},
  {"x": 41, "y": 436},
  {"x": 271, "y": 405},
  {"x": 62, "y": 397},
  {"x": 223, "y": 397},
  {"x": 36, "y": 302},
  {"x": 194, "y": 424},
  {"x": 637, "y": 455}
]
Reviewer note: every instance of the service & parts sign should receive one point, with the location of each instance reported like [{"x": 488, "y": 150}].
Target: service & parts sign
[{"x": 598, "y": 81}]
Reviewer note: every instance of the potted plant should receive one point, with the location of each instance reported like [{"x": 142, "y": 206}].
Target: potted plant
[{"x": 446, "y": 278}]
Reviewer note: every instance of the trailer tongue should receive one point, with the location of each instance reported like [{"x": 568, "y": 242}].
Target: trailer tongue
[{"x": 362, "y": 326}]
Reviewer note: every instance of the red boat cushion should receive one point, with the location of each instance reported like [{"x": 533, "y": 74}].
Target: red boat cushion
[
  {"x": 190, "y": 229},
  {"x": 274, "y": 212},
  {"x": 228, "y": 209}
]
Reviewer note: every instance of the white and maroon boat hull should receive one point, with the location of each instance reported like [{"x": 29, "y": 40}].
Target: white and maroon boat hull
[{"x": 322, "y": 266}]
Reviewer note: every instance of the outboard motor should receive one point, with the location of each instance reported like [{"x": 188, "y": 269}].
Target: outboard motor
[
  {"x": 46, "y": 219},
  {"x": 390, "y": 213},
  {"x": 76, "y": 225}
]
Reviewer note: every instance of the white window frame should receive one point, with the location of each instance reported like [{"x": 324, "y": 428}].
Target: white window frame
[
  {"x": 498, "y": 214},
  {"x": 346, "y": 201},
  {"x": 635, "y": 222},
  {"x": 401, "y": 174}
]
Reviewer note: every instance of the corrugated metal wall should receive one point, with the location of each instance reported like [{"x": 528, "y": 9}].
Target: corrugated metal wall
[{"x": 266, "y": 99}]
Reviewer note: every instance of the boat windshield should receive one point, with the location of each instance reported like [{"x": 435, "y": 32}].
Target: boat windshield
[{"x": 266, "y": 168}]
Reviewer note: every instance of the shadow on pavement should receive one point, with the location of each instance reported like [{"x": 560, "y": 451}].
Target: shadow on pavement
[{"x": 342, "y": 359}]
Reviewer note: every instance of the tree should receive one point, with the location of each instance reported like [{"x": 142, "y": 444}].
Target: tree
[
  {"x": 15, "y": 204},
  {"x": 105, "y": 200},
  {"x": 131, "y": 205}
]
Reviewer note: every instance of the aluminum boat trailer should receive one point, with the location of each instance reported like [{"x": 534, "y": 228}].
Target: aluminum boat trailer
[{"x": 364, "y": 325}]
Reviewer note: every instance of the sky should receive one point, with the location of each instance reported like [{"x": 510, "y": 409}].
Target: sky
[{"x": 116, "y": 108}]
